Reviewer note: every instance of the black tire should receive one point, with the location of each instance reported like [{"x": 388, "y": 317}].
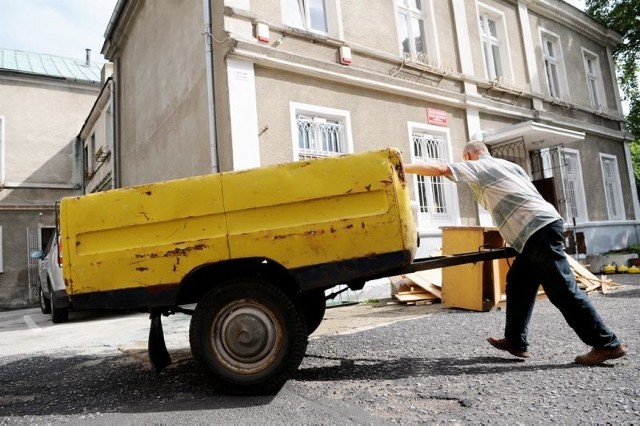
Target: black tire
[
  {"x": 248, "y": 336},
  {"x": 45, "y": 303},
  {"x": 58, "y": 315},
  {"x": 313, "y": 305}
]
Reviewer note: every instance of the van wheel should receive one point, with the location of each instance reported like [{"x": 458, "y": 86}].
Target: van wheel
[
  {"x": 58, "y": 315},
  {"x": 249, "y": 336},
  {"x": 313, "y": 305},
  {"x": 45, "y": 306}
]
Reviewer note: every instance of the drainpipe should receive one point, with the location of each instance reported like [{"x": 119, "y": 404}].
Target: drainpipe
[
  {"x": 208, "y": 41},
  {"x": 115, "y": 154}
]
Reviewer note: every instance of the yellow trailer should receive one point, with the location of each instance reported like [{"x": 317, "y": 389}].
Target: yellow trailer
[{"x": 254, "y": 250}]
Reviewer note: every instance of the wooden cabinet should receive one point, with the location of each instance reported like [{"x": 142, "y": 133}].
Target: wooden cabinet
[{"x": 474, "y": 286}]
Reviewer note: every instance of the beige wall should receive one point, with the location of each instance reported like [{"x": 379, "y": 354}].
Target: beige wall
[
  {"x": 575, "y": 77},
  {"x": 41, "y": 122},
  {"x": 163, "y": 94},
  {"x": 42, "y": 118},
  {"x": 378, "y": 119},
  {"x": 509, "y": 13},
  {"x": 377, "y": 31}
]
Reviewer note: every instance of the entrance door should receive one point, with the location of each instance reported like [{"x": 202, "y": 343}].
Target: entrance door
[{"x": 546, "y": 188}]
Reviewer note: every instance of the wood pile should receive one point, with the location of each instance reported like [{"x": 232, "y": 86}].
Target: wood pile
[
  {"x": 587, "y": 280},
  {"x": 419, "y": 288},
  {"x": 425, "y": 287}
]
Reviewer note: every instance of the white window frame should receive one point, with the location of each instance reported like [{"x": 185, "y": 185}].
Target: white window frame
[
  {"x": 301, "y": 18},
  {"x": 430, "y": 222},
  {"x": 557, "y": 88},
  {"x": 574, "y": 185},
  {"x": 424, "y": 16},
  {"x": 593, "y": 75},
  {"x": 612, "y": 187},
  {"x": 500, "y": 40},
  {"x": 320, "y": 115}
]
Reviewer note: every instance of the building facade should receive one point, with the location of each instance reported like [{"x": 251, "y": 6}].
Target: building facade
[
  {"x": 207, "y": 86},
  {"x": 43, "y": 101}
]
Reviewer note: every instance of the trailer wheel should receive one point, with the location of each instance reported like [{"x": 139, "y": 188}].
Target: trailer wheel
[
  {"x": 249, "y": 336},
  {"x": 313, "y": 305}
]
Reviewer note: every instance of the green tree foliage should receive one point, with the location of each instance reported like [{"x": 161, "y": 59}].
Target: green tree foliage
[
  {"x": 635, "y": 159},
  {"x": 623, "y": 16}
]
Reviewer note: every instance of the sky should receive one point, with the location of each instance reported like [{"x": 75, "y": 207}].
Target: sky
[
  {"x": 58, "y": 27},
  {"x": 64, "y": 27}
]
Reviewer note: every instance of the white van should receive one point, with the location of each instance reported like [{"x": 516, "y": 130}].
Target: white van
[{"x": 53, "y": 295}]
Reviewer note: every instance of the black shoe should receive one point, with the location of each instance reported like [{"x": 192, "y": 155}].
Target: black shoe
[{"x": 504, "y": 345}]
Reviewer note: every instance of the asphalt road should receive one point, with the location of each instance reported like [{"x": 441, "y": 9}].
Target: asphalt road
[{"x": 365, "y": 365}]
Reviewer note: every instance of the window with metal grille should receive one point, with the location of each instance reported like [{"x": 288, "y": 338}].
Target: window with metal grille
[
  {"x": 319, "y": 131},
  {"x": 435, "y": 193},
  {"x": 319, "y": 137},
  {"x": 573, "y": 187},
  {"x": 612, "y": 188}
]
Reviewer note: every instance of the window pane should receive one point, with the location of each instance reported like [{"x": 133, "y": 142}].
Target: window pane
[
  {"x": 571, "y": 180},
  {"x": 593, "y": 88},
  {"x": 488, "y": 58},
  {"x": 293, "y": 13},
  {"x": 612, "y": 188},
  {"x": 417, "y": 28},
  {"x": 403, "y": 21},
  {"x": 552, "y": 78},
  {"x": 303, "y": 133},
  {"x": 493, "y": 29},
  {"x": 331, "y": 136},
  {"x": 496, "y": 60},
  {"x": 590, "y": 66},
  {"x": 549, "y": 51},
  {"x": 317, "y": 15}
]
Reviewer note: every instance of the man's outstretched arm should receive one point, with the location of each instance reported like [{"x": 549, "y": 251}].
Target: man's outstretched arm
[{"x": 428, "y": 169}]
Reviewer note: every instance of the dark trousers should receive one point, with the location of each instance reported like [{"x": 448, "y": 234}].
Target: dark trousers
[{"x": 543, "y": 262}]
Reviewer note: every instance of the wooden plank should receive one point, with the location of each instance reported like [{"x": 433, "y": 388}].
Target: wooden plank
[
  {"x": 432, "y": 276},
  {"x": 414, "y": 296},
  {"x": 580, "y": 269},
  {"x": 419, "y": 280}
]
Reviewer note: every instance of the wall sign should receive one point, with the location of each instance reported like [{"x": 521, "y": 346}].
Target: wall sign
[{"x": 437, "y": 117}]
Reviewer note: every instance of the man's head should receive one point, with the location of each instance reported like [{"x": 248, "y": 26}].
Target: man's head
[{"x": 473, "y": 150}]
